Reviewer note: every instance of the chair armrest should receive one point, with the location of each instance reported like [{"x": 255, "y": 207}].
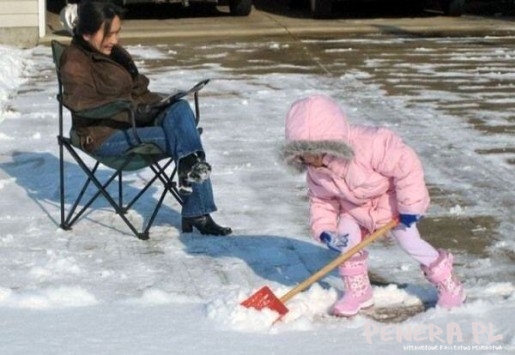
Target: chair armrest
[
  {"x": 107, "y": 110},
  {"x": 179, "y": 94}
]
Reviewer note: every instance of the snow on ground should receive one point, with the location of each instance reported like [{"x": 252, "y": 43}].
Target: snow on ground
[{"x": 98, "y": 290}]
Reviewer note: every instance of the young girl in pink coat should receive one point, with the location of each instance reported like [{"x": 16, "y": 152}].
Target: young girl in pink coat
[{"x": 360, "y": 178}]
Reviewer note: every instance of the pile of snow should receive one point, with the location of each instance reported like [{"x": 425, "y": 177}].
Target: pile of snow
[{"x": 14, "y": 67}]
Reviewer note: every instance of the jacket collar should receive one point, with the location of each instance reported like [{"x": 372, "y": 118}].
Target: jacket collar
[
  {"x": 86, "y": 47},
  {"x": 118, "y": 55}
]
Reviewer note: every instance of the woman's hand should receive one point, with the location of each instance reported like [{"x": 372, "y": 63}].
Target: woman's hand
[{"x": 145, "y": 113}]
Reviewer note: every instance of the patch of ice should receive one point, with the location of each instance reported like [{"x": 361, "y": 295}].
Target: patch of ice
[{"x": 456, "y": 210}]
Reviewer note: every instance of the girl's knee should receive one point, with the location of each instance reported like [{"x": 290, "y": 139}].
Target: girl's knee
[{"x": 348, "y": 224}]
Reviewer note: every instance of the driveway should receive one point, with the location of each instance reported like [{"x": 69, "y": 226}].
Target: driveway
[
  {"x": 412, "y": 72},
  {"x": 275, "y": 18}
]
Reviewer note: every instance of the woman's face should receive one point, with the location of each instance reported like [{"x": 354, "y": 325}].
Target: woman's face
[{"x": 105, "y": 43}]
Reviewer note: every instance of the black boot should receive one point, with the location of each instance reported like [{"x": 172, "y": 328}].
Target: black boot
[
  {"x": 192, "y": 169},
  {"x": 205, "y": 225}
]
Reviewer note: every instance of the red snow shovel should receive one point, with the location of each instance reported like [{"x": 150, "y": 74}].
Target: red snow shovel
[{"x": 265, "y": 298}]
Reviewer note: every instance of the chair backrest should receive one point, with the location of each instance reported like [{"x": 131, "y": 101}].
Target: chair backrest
[{"x": 57, "y": 51}]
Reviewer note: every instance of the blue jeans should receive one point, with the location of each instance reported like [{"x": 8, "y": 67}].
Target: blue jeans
[{"x": 176, "y": 134}]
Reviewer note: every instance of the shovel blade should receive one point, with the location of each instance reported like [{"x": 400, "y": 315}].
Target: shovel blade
[{"x": 265, "y": 298}]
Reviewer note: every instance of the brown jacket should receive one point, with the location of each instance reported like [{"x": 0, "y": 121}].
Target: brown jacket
[{"x": 93, "y": 83}]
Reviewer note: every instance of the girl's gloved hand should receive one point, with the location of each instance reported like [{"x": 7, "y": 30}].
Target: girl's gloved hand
[
  {"x": 334, "y": 241},
  {"x": 409, "y": 219}
]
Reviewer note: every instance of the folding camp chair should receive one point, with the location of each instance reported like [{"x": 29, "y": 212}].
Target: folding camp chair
[{"x": 145, "y": 155}]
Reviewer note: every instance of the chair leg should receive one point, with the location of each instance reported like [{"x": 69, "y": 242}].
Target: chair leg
[
  {"x": 120, "y": 191},
  {"x": 60, "y": 142},
  {"x": 68, "y": 218},
  {"x": 101, "y": 190},
  {"x": 79, "y": 197},
  {"x": 169, "y": 187},
  {"x": 168, "y": 181}
]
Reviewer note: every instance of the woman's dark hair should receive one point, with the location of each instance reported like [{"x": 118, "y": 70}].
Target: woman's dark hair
[{"x": 92, "y": 14}]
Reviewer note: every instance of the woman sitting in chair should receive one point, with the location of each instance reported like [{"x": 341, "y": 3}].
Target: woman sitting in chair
[{"x": 96, "y": 71}]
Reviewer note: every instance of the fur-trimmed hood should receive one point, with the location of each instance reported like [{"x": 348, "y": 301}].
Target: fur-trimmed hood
[{"x": 315, "y": 125}]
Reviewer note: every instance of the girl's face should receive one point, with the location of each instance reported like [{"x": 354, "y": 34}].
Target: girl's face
[
  {"x": 105, "y": 43},
  {"x": 314, "y": 160}
]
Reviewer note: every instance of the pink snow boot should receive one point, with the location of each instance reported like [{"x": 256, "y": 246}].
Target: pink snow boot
[
  {"x": 358, "y": 291},
  {"x": 450, "y": 289}
]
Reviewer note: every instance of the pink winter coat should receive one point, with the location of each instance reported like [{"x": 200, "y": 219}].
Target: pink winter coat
[{"x": 368, "y": 173}]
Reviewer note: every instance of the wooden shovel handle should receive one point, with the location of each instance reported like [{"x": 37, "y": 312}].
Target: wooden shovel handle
[{"x": 339, "y": 260}]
